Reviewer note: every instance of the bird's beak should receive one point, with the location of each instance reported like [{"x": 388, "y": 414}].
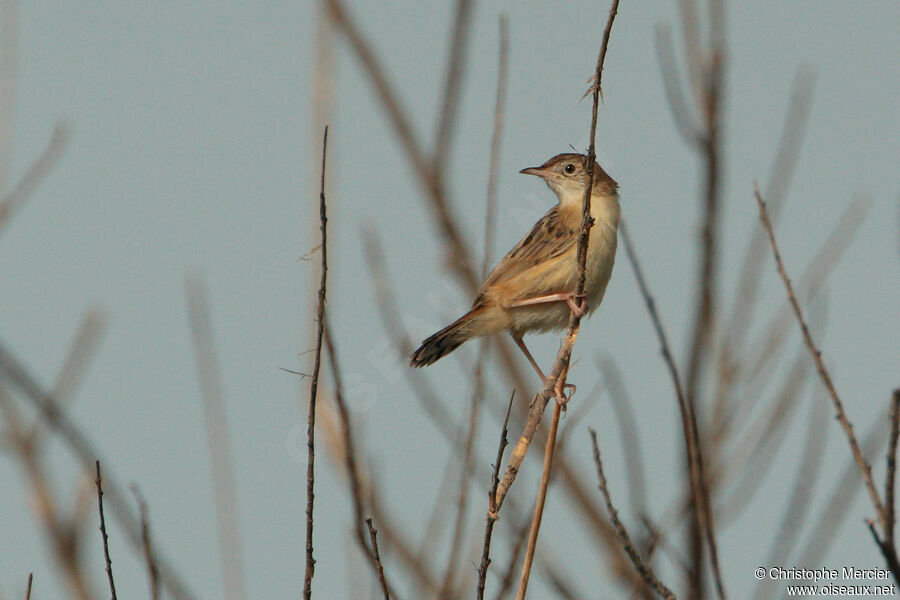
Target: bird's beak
[{"x": 540, "y": 172}]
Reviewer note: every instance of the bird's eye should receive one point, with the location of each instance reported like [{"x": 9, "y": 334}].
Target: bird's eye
[{"x": 569, "y": 169}]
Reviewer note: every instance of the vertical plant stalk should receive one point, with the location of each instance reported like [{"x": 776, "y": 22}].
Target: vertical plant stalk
[
  {"x": 560, "y": 369},
  {"x": 314, "y": 384},
  {"x": 539, "y": 503},
  {"x": 884, "y": 515},
  {"x": 377, "y": 558},
  {"x": 889, "y": 507},
  {"x": 816, "y": 354},
  {"x": 492, "y": 505},
  {"x": 104, "y": 537},
  {"x": 358, "y": 490}
]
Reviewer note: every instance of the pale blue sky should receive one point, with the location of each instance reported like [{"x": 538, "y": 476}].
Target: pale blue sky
[{"x": 193, "y": 150}]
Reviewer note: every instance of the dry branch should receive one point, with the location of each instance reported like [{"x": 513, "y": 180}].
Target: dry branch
[
  {"x": 104, "y": 537},
  {"x": 861, "y": 462},
  {"x": 55, "y": 417},
  {"x": 377, "y": 558},
  {"x": 705, "y": 69},
  {"x": 645, "y": 571},
  {"x": 492, "y": 505},
  {"x": 61, "y": 530},
  {"x": 314, "y": 383},
  {"x": 539, "y": 503},
  {"x": 890, "y": 518},
  {"x": 357, "y": 490}
]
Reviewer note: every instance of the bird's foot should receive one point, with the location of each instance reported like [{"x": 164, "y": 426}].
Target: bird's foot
[
  {"x": 580, "y": 308},
  {"x": 559, "y": 388}
]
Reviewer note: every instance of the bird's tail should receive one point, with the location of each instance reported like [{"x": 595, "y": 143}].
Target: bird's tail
[{"x": 446, "y": 340}]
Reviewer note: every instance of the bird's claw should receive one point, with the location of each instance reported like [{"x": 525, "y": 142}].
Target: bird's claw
[
  {"x": 579, "y": 309},
  {"x": 559, "y": 387}
]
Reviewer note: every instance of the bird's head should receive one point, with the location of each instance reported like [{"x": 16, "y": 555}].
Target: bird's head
[{"x": 566, "y": 174}]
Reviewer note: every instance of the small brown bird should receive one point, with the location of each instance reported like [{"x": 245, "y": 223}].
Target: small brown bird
[{"x": 533, "y": 287}]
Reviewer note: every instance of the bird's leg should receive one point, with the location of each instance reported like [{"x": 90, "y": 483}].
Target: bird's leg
[
  {"x": 559, "y": 388},
  {"x": 517, "y": 338},
  {"x": 559, "y": 392},
  {"x": 567, "y": 297}
]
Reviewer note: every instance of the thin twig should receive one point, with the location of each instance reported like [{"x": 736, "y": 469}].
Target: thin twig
[
  {"x": 734, "y": 335},
  {"x": 353, "y": 474},
  {"x": 861, "y": 462},
  {"x": 890, "y": 554},
  {"x": 55, "y": 417},
  {"x": 645, "y": 571},
  {"x": 492, "y": 505},
  {"x": 403, "y": 549},
  {"x": 152, "y": 570},
  {"x": 61, "y": 530},
  {"x": 706, "y": 78},
  {"x": 104, "y": 537},
  {"x": 377, "y": 558},
  {"x": 28, "y": 586},
  {"x": 889, "y": 508},
  {"x": 700, "y": 503},
  {"x": 314, "y": 385},
  {"x": 765, "y": 348},
  {"x": 539, "y": 503},
  {"x": 463, "y": 10}
]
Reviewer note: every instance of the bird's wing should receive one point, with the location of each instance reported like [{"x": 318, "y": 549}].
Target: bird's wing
[{"x": 552, "y": 236}]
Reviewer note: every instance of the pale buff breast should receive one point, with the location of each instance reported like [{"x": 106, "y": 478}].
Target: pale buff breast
[{"x": 560, "y": 275}]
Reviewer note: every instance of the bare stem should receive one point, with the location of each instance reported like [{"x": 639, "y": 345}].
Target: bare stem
[
  {"x": 890, "y": 517},
  {"x": 816, "y": 354},
  {"x": 377, "y": 558},
  {"x": 104, "y": 537},
  {"x": 492, "y": 505},
  {"x": 314, "y": 385},
  {"x": 644, "y": 569},
  {"x": 539, "y": 503},
  {"x": 357, "y": 490}
]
